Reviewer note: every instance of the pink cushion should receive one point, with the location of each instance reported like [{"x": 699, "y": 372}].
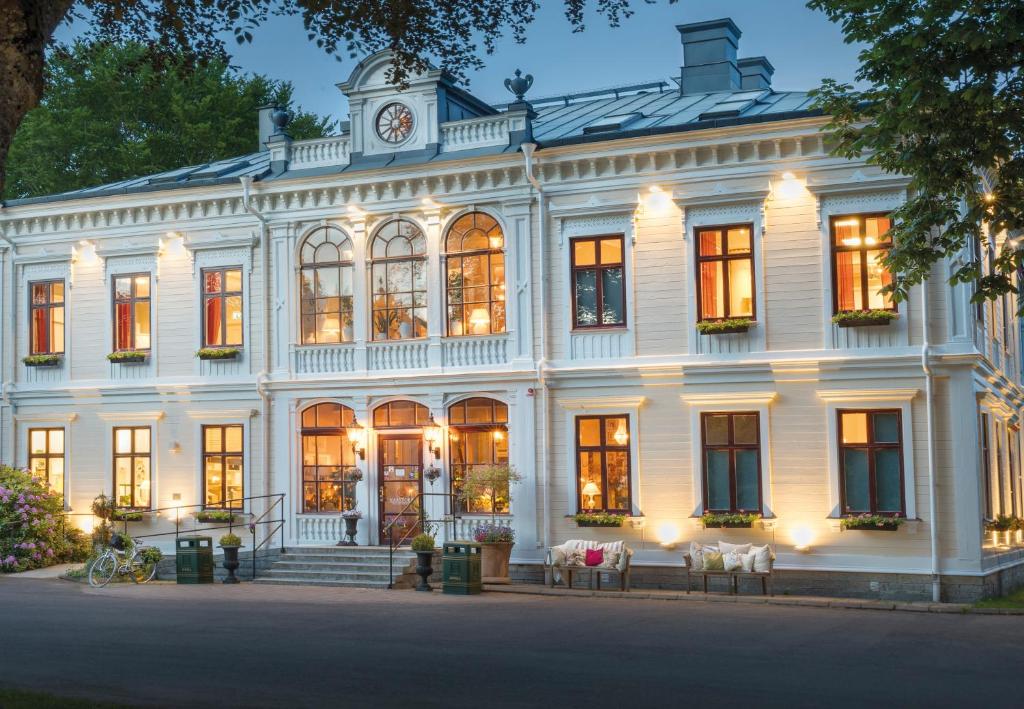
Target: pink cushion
[{"x": 595, "y": 557}]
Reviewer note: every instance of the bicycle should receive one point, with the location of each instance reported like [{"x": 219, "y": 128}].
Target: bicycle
[{"x": 126, "y": 558}]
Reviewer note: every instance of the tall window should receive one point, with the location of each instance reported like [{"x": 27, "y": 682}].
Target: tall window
[
  {"x": 326, "y": 282},
  {"x": 725, "y": 272},
  {"x": 222, "y": 307},
  {"x": 476, "y": 276},
  {"x": 598, "y": 282},
  {"x": 478, "y": 436},
  {"x": 732, "y": 462},
  {"x": 46, "y": 456},
  {"x": 871, "y": 462},
  {"x": 602, "y": 455},
  {"x": 132, "y": 467},
  {"x": 47, "y": 317},
  {"x": 223, "y": 479},
  {"x": 858, "y": 241},
  {"x": 131, "y": 312},
  {"x": 986, "y": 465},
  {"x": 399, "y": 282},
  {"x": 328, "y": 460}
]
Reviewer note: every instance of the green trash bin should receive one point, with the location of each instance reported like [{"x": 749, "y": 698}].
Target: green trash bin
[
  {"x": 460, "y": 563},
  {"x": 194, "y": 559}
]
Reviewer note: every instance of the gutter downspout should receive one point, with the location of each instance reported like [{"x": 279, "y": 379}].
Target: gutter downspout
[
  {"x": 7, "y": 351},
  {"x": 264, "y": 375},
  {"x": 528, "y": 149},
  {"x": 933, "y": 530}
]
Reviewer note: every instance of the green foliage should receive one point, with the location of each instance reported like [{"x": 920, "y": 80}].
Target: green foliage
[
  {"x": 712, "y": 520},
  {"x": 1014, "y": 599},
  {"x": 599, "y": 519},
  {"x": 218, "y": 353},
  {"x": 231, "y": 540},
  {"x": 944, "y": 105},
  {"x": 127, "y": 356},
  {"x": 41, "y": 360},
  {"x": 492, "y": 482},
  {"x": 126, "y": 516},
  {"x": 33, "y": 533},
  {"x": 1004, "y": 523},
  {"x": 868, "y": 521},
  {"x": 151, "y": 555},
  {"x": 207, "y": 516},
  {"x": 423, "y": 542},
  {"x": 864, "y": 317},
  {"x": 717, "y": 327},
  {"x": 113, "y": 111}
]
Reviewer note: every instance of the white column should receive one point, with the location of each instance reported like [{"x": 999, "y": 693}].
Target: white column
[
  {"x": 435, "y": 300},
  {"x": 518, "y": 281},
  {"x": 361, "y": 297}
]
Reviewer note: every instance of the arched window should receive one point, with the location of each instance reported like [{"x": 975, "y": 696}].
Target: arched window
[
  {"x": 478, "y": 436},
  {"x": 328, "y": 460},
  {"x": 401, "y": 414},
  {"x": 476, "y": 276},
  {"x": 399, "y": 282},
  {"x": 326, "y": 281}
]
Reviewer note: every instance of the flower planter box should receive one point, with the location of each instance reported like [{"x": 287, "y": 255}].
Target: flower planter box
[
  {"x": 873, "y": 528},
  {"x": 864, "y": 318},
  {"x": 727, "y": 327},
  {"x": 728, "y": 525},
  {"x": 871, "y": 524},
  {"x": 612, "y": 523},
  {"x": 217, "y": 355},
  {"x": 42, "y": 361},
  {"x": 208, "y": 518},
  {"x": 864, "y": 322},
  {"x": 128, "y": 358},
  {"x": 126, "y": 517}
]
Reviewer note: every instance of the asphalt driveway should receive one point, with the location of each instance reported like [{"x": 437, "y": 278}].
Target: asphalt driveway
[{"x": 270, "y": 646}]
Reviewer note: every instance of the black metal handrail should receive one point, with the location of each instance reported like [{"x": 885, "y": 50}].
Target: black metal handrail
[
  {"x": 450, "y": 515},
  {"x": 277, "y": 505}
]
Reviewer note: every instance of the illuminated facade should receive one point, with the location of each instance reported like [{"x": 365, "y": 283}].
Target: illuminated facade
[{"x": 628, "y": 296}]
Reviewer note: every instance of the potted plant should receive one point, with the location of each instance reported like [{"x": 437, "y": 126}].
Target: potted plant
[
  {"x": 213, "y": 516},
  {"x": 126, "y": 516},
  {"x": 598, "y": 519},
  {"x": 127, "y": 356},
  {"x": 423, "y": 545},
  {"x": 42, "y": 360},
  {"x": 432, "y": 474},
  {"x": 351, "y": 518},
  {"x": 494, "y": 484},
  {"x": 728, "y": 520},
  {"x": 724, "y": 327},
  {"x": 230, "y": 543},
  {"x": 864, "y": 318},
  {"x": 869, "y": 522},
  {"x": 103, "y": 508},
  {"x": 218, "y": 353}
]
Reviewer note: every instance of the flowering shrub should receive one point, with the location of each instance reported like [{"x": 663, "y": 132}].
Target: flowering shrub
[
  {"x": 494, "y": 534},
  {"x": 32, "y": 532}
]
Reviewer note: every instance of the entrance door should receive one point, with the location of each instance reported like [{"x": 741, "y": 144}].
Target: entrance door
[{"x": 400, "y": 481}]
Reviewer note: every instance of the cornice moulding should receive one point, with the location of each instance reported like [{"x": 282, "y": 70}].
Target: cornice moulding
[
  {"x": 866, "y": 395},
  {"x": 129, "y": 416},
  {"x": 602, "y": 402},
  {"x": 45, "y": 418},
  {"x": 730, "y": 397}
]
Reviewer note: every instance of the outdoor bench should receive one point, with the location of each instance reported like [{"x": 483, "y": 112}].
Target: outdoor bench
[
  {"x": 569, "y": 558},
  {"x": 733, "y": 576}
]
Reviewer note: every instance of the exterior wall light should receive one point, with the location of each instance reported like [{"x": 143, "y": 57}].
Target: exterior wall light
[
  {"x": 802, "y": 538},
  {"x": 668, "y": 535},
  {"x": 789, "y": 187},
  {"x": 432, "y": 435},
  {"x": 357, "y": 437}
]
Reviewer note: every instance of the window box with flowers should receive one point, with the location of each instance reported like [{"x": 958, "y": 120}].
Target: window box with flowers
[
  {"x": 872, "y": 523},
  {"x": 43, "y": 360},
  {"x": 218, "y": 353},
  {"x": 864, "y": 318},
  {"x": 729, "y": 520},
  {"x": 215, "y": 516},
  {"x": 126, "y": 516},
  {"x": 598, "y": 519},
  {"x": 128, "y": 357},
  {"x": 728, "y": 326}
]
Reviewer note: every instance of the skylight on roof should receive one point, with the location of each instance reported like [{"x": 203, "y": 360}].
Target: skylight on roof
[{"x": 605, "y": 124}]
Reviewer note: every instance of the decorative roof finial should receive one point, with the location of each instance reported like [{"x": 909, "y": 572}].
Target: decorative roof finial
[
  {"x": 280, "y": 118},
  {"x": 519, "y": 85}
]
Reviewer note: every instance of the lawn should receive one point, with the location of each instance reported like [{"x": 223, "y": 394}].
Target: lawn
[
  {"x": 21, "y": 699},
  {"x": 1014, "y": 600}
]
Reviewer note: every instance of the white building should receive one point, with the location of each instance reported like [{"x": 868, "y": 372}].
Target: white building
[{"x": 527, "y": 282}]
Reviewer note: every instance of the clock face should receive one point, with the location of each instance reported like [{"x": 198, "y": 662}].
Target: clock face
[{"x": 394, "y": 123}]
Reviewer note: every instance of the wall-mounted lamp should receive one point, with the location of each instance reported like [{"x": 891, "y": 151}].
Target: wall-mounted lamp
[
  {"x": 357, "y": 437},
  {"x": 789, "y": 187},
  {"x": 175, "y": 447},
  {"x": 432, "y": 435},
  {"x": 668, "y": 535},
  {"x": 802, "y": 537},
  {"x": 429, "y": 203},
  {"x": 355, "y": 211}
]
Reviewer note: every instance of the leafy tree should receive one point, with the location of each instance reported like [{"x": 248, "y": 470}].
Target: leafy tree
[
  {"x": 112, "y": 112},
  {"x": 945, "y": 105},
  {"x": 416, "y": 31}
]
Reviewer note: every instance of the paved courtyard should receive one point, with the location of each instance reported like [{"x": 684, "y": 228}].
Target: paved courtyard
[{"x": 270, "y": 646}]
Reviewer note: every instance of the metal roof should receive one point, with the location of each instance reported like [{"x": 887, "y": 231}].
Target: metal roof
[{"x": 607, "y": 114}]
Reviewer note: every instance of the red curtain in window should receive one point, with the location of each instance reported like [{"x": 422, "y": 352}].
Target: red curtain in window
[
  {"x": 708, "y": 290},
  {"x": 845, "y": 280}
]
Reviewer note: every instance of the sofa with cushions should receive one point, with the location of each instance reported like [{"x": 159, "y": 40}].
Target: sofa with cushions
[
  {"x": 579, "y": 556},
  {"x": 732, "y": 561}
]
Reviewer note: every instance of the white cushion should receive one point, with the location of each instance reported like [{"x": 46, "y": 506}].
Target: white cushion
[
  {"x": 748, "y": 561},
  {"x": 697, "y": 555},
  {"x": 733, "y": 561},
  {"x": 762, "y": 559},
  {"x": 611, "y": 560},
  {"x": 726, "y": 547}
]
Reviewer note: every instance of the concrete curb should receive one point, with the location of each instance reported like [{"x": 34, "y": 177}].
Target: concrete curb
[{"x": 808, "y": 601}]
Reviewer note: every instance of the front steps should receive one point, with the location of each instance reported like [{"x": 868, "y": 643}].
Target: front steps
[{"x": 354, "y": 567}]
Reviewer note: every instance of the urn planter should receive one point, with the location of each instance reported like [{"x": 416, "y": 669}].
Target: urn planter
[
  {"x": 230, "y": 563},
  {"x": 350, "y": 532},
  {"x": 424, "y": 568}
]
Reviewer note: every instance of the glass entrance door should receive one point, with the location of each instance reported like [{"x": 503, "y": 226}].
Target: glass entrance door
[{"x": 401, "y": 480}]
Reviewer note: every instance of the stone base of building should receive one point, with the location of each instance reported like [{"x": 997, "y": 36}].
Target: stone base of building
[
  {"x": 265, "y": 558},
  {"x": 835, "y": 584}
]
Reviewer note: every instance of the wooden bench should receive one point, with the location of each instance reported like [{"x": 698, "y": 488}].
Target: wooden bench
[{"x": 733, "y": 576}]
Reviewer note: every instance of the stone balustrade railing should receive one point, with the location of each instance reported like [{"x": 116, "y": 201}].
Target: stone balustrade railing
[{"x": 320, "y": 152}]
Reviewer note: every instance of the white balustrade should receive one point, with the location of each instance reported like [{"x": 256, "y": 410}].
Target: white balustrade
[
  {"x": 475, "y": 351},
  {"x": 397, "y": 355},
  {"x": 320, "y": 152},
  {"x": 463, "y": 528},
  {"x": 474, "y": 133},
  {"x": 323, "y": 359},
  {"x": 319, "y": 529}
]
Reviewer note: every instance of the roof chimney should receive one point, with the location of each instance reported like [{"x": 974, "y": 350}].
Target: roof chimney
[
  {"x": 755, "y": 73},
  {"x": 709, "y": 56},
  {"x": 266, "y": 125}
]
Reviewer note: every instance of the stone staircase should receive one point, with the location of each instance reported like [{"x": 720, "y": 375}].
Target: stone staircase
[{"x": 358, "y": 567}]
